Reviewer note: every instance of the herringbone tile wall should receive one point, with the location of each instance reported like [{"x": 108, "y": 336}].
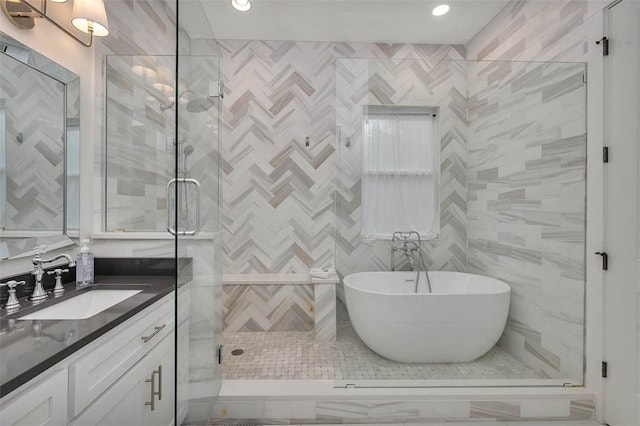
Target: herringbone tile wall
[
  {"x": 279, "y": 213},
  {"x": 407, "y": 82},
  {"x": 271, "y": 307}
]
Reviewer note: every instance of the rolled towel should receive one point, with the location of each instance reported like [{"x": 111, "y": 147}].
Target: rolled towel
[{"x": 322, "y": 273}]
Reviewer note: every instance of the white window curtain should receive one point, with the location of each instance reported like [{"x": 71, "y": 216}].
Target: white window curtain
[{"x": 400, "y": 172}]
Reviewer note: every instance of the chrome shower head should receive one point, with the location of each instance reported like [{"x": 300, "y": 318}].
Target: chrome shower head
[
  {"x": 200, "y": 104},
  {"x": 164, "y": 107},
  {"x": 187, "y": 150}
]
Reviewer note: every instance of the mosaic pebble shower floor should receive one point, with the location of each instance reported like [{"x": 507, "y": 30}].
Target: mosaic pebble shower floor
[{"x": 295, "y": 355}]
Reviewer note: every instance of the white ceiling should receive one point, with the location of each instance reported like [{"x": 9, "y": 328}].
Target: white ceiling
[{"x": 390, "y": 21}]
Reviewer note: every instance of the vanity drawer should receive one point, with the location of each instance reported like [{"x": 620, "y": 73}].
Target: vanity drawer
[{"x": 100, "y": 366}]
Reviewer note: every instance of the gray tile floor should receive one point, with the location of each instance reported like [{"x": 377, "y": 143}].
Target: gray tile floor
[
  {"x": 356, "y": 361},
  {"x": 277, "y": 355},
  {"x": 297, "y": 356}
]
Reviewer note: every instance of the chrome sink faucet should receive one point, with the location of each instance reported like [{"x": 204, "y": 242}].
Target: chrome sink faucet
[{"x": 39, "y": 294}]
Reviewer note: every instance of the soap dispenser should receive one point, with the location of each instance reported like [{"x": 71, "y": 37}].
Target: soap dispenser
[{"x": 84, "y": 266}]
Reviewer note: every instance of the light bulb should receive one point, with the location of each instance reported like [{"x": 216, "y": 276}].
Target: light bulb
[
  {"x": 241, "y": 5},
  {"x": 440, "y": 10}
]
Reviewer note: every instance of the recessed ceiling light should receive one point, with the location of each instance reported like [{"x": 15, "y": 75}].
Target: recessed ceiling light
[
  {"x": 439, "y": 10},
  {"x": 241, "y": 5}
]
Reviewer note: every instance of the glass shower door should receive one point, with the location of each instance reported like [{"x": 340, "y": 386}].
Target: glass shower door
[{"x": 194, "y": 198}]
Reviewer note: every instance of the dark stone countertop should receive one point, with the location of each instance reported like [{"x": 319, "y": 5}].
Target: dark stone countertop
[{"x": 29, "y": 347}]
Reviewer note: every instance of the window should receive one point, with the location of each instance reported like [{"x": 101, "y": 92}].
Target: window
[{"x": 400, "y": 172}]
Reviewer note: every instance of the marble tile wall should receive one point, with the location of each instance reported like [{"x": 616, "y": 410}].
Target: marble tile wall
[
  {"x": 268, "y": 307},
  {"x": 278, "y": 204},
  {"x": 277, "y": 306},
  {"x": 408, "y": 82},
  {"x": 142, "y": 29},
  {"x": 34, "y": 108},
  {"x": 529, "y": 30},
  {"x": 363, "y": 411},
  {"x": 527, "y": 176},
  {"x": 141, "y": 146}
]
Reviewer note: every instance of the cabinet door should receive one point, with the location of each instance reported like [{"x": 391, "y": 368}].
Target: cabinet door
[
  {"x": 43, "y": 403},
  {"x": 162, "y": 371},
  {"x": 119, "y": 405},
  {"x": 128, "y": 401}
]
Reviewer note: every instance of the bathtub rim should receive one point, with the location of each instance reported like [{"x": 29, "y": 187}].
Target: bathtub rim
[{"x": 505, "y": 290}]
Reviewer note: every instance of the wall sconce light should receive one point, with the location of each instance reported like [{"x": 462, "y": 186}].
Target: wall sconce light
[{"x": 88, "y": 16}]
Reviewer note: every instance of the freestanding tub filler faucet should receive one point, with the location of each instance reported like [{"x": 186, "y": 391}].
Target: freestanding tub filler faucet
[{"x": 401, "y": 242}]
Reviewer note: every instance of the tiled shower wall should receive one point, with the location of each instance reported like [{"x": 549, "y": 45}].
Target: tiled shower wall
[
  {"x": 526, "y": 204},
  {"x": 278, "y": 203},
  {"x": 406, "y": 82},
  {"x": 527, "y": 159}
]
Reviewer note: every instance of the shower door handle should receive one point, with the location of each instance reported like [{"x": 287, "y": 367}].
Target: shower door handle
[{"x": 171, "y": 226}]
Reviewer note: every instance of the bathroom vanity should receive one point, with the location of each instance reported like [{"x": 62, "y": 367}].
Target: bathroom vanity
[{"x": 116, "y": 367}]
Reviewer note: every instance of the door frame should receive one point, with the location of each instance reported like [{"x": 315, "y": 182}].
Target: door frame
[{"x": 596, "y": 204}]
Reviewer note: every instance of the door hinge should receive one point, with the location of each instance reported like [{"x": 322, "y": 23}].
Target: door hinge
[
  {"x": 219, "y": 354},
  {"x": 605, "y": 154},
  {"x": 604, "y": 369},
  {"x": 605, "y": 260},
  {"x": 605, "y": 45},
  {"x": 584, "y": 78}
]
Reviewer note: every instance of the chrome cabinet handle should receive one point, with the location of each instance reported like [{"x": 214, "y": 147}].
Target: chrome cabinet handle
[
  {"x": 152, "y": 403},
  {"x": 159, "y": 371},
  {"x": 156, "y": 329},
  {"x": 171, "y": 226}
]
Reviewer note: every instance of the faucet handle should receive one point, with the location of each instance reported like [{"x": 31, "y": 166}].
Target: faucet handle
[
  {"x": 12, "y": 302},
  {"x": 58, "y": 289},
  {"x": 12, "y": 284}
]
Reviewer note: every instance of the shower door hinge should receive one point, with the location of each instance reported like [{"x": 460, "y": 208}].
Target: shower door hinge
[
  {"x": 605, "y": 45},
  {"x": 605, "y": 259},
  {"x": 605, "y": 154},
  {"x": 604, "y": 369},
  {"x": 584, "y": 78},
  {"x": 219, "y": 354}
]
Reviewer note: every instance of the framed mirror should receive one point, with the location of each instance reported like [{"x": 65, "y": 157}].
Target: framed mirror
[{"x": 39, "y": 151}]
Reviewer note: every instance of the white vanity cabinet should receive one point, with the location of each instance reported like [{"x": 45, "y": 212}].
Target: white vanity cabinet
[
  {"x": 43, "y": 403},
  {"x": 142, "y": 396},
  {"x": 125, "y": 377}
]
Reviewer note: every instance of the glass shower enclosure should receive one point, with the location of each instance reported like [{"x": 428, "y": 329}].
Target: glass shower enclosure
[
  {"x": 512, "y": 198},
  {"x": 162, "y": 193}
]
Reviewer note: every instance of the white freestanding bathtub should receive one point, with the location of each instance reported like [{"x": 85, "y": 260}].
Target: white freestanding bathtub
[{"x": 459, "y": 321}]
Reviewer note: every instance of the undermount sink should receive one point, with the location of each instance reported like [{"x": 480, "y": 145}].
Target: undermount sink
[{"x": 82, "y": 306}]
